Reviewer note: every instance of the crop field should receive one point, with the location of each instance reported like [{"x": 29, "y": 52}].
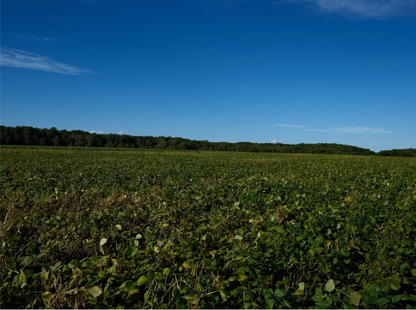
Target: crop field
[{"x": 89, "y": 228}]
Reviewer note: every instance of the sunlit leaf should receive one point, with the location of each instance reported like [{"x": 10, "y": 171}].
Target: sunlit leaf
[
  {"x": 330, "y": 285},
  {"x": 95, "y": 291}
]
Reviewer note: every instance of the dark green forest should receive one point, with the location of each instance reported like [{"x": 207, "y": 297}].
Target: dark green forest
[{"x": 26, "y": 135}]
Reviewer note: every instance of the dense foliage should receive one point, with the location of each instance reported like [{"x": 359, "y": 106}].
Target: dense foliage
[
  {"x": 53, "y": 137},
  {"x": 400, "y": 152},
  {"x": 166, "y": 229}
]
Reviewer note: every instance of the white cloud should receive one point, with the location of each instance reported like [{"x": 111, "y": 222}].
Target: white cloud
[
  {"x": 366, "y": 8},
  {"x": 121, "y": 133},
  {"x": 318, "y": 130},
  {"x": 11, "y": 57},
  {"x": 289, "y": 125},
  {"x": 99, "y": 132},
  {"x": 359, "y": 129},
  {"x": 276, "y": 141}
]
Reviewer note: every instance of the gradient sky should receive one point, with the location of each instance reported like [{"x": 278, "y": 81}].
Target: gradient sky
[{"x": 288, "y": 71}]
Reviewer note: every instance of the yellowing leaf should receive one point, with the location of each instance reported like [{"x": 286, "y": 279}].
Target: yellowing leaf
[
  {"x": 118, "y": 226},
  {"x": 142, "y": 280},
  {"x": 103, "y": 241},
  {"x": 299, "y": 292},
  {"x": 94, "y": 291},
  {"x": 47, "y": 297},
  {"x": 355, "y": 298},
  {"x": 213, "y": 252},
  {"x": 77, "y": 273},
  {"x": 238, "y": 237},
  {"x": 242, "y": 277}
]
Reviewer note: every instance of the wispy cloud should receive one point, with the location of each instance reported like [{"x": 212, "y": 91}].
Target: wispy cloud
[
  {"x": 276, "y": 141},
  {"x": 365, "y": 8},
  {"x": 360, "y": 129},
  {"x": 11, "y": 57},
  {"x": 42, "y": 38},
  {"x": 318, "y": 130},
  {"x": 99, "y": 132},
  {"x": 46, "y": 39},
  {"x": 289, "y": 125}
]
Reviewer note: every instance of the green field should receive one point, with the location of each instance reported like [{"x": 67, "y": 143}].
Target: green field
[{"x": 176, "y": 229}]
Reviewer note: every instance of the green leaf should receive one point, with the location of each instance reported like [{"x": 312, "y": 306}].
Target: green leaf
[
  {"x": 395, "y": 298},
  {"x": 413, "y": 271},
  {"x": 268, "y": 293},
  {"x": 134, "y": 252},
  {"x": 287, "y": 303},
  {"x": 142, "y": 279},
  {"x": 238, "y": 237},
  {"x": 279, "y": 293},
  {"x": 323, "y": 304},
  {"x": 355, "y": 298},
  {"x": 318, "y": 295},
  {"x": 166, "y": 271},
  {"x": 176, "y": 294},
  {"x": 382, "y": 301},
  {"x": 269, "y": 303},
  {"x": 330, "y": 285},
  {"x": 95, "y": 291},
  {"x": 386, "y": 287}
]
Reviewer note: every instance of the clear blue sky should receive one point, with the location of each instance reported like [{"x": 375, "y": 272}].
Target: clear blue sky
[{"x": 290, "y": 71}]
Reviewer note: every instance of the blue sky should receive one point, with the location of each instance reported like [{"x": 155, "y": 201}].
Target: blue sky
[{"x": 291, "y": 71}]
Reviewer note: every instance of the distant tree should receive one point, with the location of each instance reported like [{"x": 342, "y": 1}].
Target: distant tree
[{"x": 56, "y": 140}]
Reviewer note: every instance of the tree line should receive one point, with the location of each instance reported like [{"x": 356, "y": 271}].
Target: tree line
[
  {"x": 398, "y": 152},
  {"x": 26, "y": 135}
]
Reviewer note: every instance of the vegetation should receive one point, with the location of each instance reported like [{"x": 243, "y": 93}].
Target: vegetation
[
  {"x": 102, "y": 228},
  {"x": 53, "y": 137},
  {"x": 401, "y": 152}
]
